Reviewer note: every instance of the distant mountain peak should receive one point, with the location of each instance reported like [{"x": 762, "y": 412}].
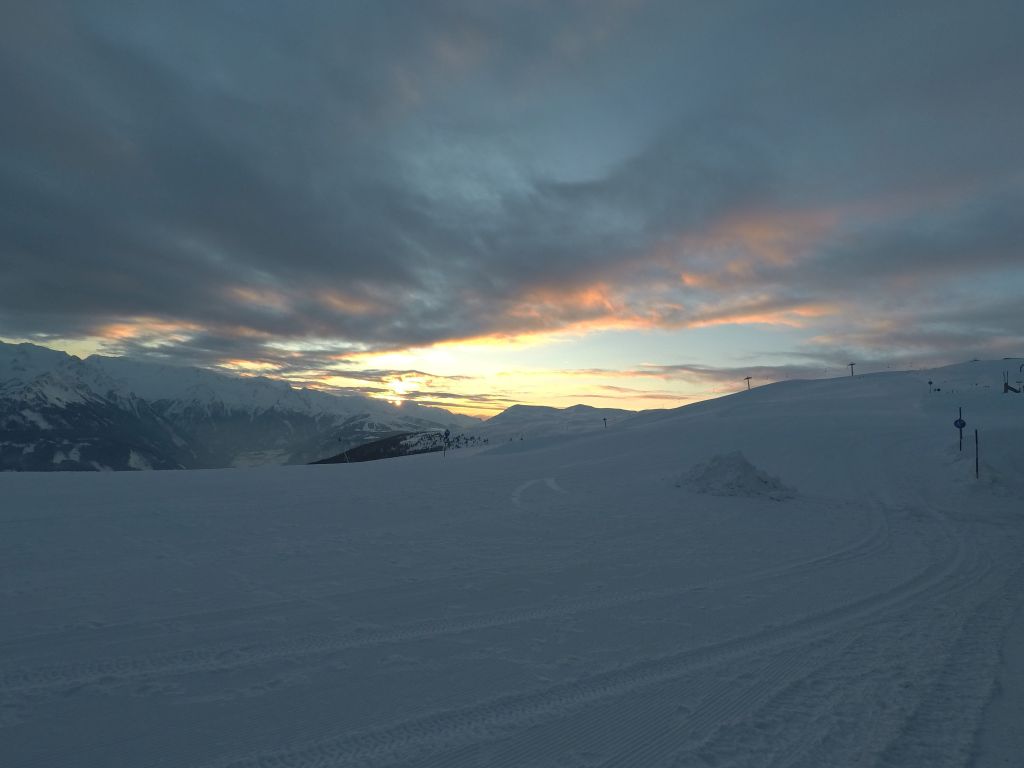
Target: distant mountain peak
[
  {"x": 120, "y": 413},
  {"x": 523, "y": 421}
]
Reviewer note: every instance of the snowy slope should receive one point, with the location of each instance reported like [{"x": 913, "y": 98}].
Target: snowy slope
[
  {"x": 533, "y": 421},
  {"x": 515, "y": 424},
  {"x": 840, "y": 592}
]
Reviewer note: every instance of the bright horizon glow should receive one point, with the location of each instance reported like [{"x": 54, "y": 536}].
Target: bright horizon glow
[
  {"x": 611, "y": 203},
  {"x": 625, "y": 368}
]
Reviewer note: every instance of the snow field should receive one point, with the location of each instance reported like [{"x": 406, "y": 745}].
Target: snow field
[{"x": 563, "y": 604}]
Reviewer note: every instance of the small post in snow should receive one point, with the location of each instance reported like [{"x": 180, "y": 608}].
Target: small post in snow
[
  {"x": 975, "y": 454},
  {"x": 747, "y": 379},
  {"x": 851, "y": 367},
  {"x": 960, "y": 424}
]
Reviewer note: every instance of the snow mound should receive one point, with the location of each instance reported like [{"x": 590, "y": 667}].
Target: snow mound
[{"x": 731, "y": 474}]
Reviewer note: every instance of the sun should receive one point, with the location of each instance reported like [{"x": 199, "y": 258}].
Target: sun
[{"x": 399, "y": 390}]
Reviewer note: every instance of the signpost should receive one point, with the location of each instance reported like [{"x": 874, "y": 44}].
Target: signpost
[
  {"x": 747, "y": 379},
  {"x": 960, "y": 424},
  {"x": 1006, "y": 385}
]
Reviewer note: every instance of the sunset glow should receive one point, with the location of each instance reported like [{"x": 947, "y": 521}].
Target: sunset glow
[{"x": 522, "y": 204}]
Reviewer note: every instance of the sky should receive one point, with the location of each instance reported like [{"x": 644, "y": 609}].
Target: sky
[{"x": 472, "y": 204}]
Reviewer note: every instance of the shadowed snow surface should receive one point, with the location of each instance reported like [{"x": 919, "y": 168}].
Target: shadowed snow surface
[
  {"x": 571, "y": 600},
  {"x": 733, "y": 475}
]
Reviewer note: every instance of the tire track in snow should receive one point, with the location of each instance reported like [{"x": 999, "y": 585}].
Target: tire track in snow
[
  {"x": 808, "y": 691},
  {"x": 601, "y": 738},
  {"x": 724, "y": 703},
  {"x": 227, "y": 657},
  {"x": 644, "y": 733},
  {"x": 725, "y": 700},
  {"x": 961, "y": 688},
  {"x": 549, "y": 482},
  {"x": 440, "y": 732}
]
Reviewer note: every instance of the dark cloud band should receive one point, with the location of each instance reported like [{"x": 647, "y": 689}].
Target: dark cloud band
[{"x": 202, "y": 182}]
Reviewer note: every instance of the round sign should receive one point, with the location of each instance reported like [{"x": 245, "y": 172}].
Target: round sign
[{"x": 959, "y": 423}]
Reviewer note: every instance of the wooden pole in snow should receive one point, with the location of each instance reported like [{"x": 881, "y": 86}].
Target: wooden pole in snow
[{"x": 975, "y": 454}]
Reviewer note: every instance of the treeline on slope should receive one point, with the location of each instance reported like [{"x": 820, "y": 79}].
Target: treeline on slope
[{"x": 405, "y": 444}]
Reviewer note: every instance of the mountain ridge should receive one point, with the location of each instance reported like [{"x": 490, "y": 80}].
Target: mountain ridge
[{"x": 58, "y": 411}]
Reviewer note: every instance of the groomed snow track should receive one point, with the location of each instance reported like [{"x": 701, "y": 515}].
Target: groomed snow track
[{"x": 549, "y": 607}]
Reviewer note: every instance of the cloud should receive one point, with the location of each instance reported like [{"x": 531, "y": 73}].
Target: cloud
[
  {"x": 704, "y": 375},
  {"x": 211, "y": 184}
]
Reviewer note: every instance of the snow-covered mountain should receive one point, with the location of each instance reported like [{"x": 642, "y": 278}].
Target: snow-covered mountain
[
  {"x": 533, "y": 421},
  {"x": 517, "y": 423},
  {"x": 60, "y": 412}
]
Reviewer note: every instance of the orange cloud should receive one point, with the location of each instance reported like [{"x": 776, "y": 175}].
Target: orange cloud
[
  {"x": 244, "y": 332},
  {"x": 553, "y": 305},
  {"x": 348, "y": 305},
  {"x": 598, "y": 308},
  {"x": 738, "y": 245},
  {"x": 693, "y": 280},
  {"x": 144, "y": 327},
  {"x": 793, "y": 316},
  {"x": 249, "y": 366},
  {"x": 263, "y": 298},
  {"x": 776, "y": 238}
]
